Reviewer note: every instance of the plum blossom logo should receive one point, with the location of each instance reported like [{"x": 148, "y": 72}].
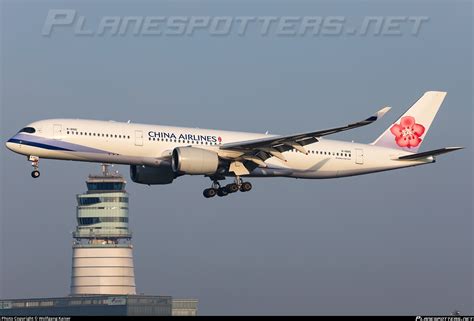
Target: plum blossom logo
[
  {"x": 219, "y": 139},
  {"x": 408, "y": 132}
]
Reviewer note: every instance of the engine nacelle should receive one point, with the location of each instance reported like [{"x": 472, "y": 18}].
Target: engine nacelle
[
  {"x": 152, "y": 175},
  {"x": 194, "y": 161}
]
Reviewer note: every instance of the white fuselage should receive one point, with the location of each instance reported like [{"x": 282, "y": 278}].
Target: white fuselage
[{"x": 152, "y": 145}]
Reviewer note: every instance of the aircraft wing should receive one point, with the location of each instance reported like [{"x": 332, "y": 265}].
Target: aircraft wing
[{"x": 257, "y": 151}]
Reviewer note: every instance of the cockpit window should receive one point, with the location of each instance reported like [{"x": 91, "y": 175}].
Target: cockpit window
[{"x": 29, "y": 130}]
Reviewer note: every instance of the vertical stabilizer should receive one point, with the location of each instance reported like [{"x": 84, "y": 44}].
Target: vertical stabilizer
[{"x": 409, "y": 131}]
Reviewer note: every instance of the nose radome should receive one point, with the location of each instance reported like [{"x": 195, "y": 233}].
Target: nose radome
[{"x": 9, "y": 145}]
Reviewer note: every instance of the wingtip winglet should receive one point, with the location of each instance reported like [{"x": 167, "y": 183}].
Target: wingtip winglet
[{"x": 382, "y": 112}]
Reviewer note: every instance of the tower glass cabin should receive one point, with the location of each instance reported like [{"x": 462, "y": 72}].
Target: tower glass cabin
[{"x": 102, "y": 260}]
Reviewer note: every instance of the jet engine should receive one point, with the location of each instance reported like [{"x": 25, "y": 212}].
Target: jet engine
[
  {"x": 194, "y": 161},
  {"x": 152, "y": 175}
]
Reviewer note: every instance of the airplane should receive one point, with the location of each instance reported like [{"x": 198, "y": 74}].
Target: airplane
[{"x": 160, "y": 154}]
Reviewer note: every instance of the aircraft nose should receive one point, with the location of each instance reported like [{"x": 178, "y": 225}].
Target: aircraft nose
[
  {"x": 9, "y": 145},
  {"x": 12, "y": 145}
]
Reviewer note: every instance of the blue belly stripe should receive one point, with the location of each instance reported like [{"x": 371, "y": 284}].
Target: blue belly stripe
[{"x": 39, "y": 145}]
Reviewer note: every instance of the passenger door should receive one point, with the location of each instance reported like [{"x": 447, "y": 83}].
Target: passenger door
[
  {"x": 139, "y": 138},
  {"x": 359, "y": 156},
  {"x": 57, "y": 131}
]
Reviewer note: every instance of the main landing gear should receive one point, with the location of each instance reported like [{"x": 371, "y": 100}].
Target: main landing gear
[
  {"x": 217, "y": 189},
  {"x": 35, "y": 163}
]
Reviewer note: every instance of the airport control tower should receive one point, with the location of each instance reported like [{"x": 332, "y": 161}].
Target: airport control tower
[
  {"x": 103, "y": 277},
  {"x": 102, "y": 260}
]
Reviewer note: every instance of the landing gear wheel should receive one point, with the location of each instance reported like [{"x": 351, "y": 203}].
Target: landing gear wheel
[
  {"x": 209, "y": 192},
  {"x": 232, "y": 188},
  {"x": 35, "y": 163},
  {"x": 221, "y": 192},
  {"x": 245, "y": 187}
]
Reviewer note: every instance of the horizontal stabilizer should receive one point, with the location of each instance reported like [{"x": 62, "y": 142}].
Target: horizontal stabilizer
[{"x": 429, "y": 153}]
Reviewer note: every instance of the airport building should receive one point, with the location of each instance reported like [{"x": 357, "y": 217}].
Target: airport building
[
  {"x": 101, "y": 305},
  {"x": 103, "y": 276}
]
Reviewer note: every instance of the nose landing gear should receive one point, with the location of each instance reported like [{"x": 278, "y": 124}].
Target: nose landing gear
[
  {"x": 216, "y": 188},
  {"x": 35, "y": 163}
]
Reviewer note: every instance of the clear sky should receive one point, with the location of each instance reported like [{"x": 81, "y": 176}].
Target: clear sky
[{"x": 398, "y": 242}]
